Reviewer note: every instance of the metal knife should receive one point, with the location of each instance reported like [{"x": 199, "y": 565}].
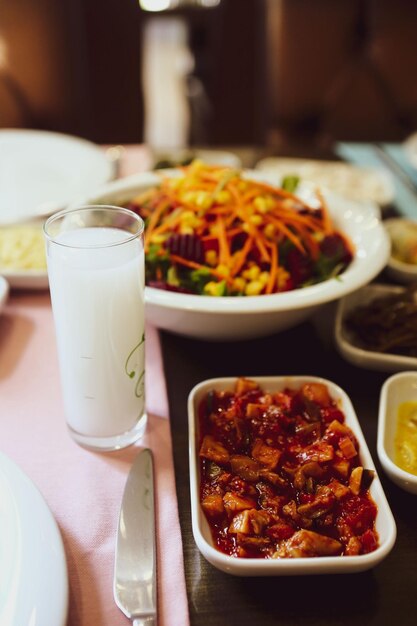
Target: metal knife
[{"x": 135, "y": 561}]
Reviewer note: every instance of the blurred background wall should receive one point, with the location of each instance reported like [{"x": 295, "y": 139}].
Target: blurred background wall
[
  {"x": 210, "y": 72},
  {"x": 72, "y": 66}
]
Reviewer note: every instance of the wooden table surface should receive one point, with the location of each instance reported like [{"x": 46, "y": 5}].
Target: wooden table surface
[{"x": 387, "y": 594}]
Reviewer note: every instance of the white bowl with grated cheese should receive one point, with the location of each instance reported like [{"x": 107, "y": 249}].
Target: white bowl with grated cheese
[{"x": 22, "y": 256}]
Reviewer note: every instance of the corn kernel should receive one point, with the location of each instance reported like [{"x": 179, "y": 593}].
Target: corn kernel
[
  {"x": 223, "y": 270},
  {"x": 282, "y": 277},
  {"x": 211, "y": 257},
  {"x": 186, "y": 230},
  {"x": 211, "y": 288},
  {"x": 252, "y": 273},
  {"x": 155, "y": 238},
  {"x": 239, "y": 284},
  {"x": 254, "y": 288},
  {"x": 256, "y": 219},
  {"x": 223, "y": 197},
  {"x": 269, "y": 231},
  {"x": 263, "y": 277},
  {"x": 187, "y": 216},
  {"x": 260, "y": 204},
  {"x": 270, "y": 202},
  {"x": 188, "y": 197},
  {"x": 203, "y": 200},
  {"x": 215, "y": 289}
]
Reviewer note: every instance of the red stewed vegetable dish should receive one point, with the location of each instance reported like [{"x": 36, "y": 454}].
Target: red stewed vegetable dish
[{"x": 281, "y": 475}]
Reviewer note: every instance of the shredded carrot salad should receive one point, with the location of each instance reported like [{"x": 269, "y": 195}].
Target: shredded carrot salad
[{"x": 210, "y": 231}]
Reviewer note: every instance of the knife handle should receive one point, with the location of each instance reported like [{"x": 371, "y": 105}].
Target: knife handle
[{"x": 144, "y": 621}]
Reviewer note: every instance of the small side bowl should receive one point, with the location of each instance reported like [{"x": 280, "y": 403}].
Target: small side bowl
[
  {"x": 401, "y": 228},
  {"x": 385, "y": 524},
  {"x": 396, "y": 389},
  {"x": 345, "y": 341}
]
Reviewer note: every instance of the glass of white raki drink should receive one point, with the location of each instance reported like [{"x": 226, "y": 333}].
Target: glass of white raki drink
[{"x": 95, "y": 259}]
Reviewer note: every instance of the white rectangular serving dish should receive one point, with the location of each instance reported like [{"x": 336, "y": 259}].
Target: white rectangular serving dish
[{"x": 385, "y": 525}]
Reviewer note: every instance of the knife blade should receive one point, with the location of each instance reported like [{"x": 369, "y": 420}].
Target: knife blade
[{"x": 135, "y": 587}]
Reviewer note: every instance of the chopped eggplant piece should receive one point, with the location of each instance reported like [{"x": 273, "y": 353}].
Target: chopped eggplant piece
[
  {"x": 272, "y": 478},
  {"x": 213, "y": 505},
  {"x": 214, "y": 470},
  {"x": 245, "y": 384},
  {"x": 240, "y": 523},
  {"x": 317, "y": 393},
  {"x": 232, "y": 502},
  {"x": 347, "y": 447},
  {"x": 265, "y": 454},
  {"x": 321, "y": 504},
  {"x": 360, "y": 478},
  {"x": 311, "y": 469},
  {"x": 340, "y": 491},
  {"x": 214, "y": 450},
  {"x": 353, "y": 547},
  {"x": 253, "y": 542},
  {"x": 245, "y": 467},
  {"x": 306, "y": 543}
]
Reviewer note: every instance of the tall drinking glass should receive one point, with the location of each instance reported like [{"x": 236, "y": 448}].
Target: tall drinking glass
[{"x": 95, "y": 263}]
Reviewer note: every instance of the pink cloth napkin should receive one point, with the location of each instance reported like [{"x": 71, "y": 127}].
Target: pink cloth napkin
[{"x": 84, "y": 489}]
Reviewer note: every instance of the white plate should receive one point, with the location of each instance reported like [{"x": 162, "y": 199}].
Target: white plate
[
  {"x": 4, "y": 291},
  {"x": 41, "y": 172},
  {"x": 33, "y": 572},
  {"x": 345, "y": 342},
  {"x": 385, "y": 524},
  {"x": 361, "y": 184}
]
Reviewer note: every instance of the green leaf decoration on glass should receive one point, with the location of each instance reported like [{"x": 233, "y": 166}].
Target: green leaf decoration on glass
[{"x": 132, "y": 369}]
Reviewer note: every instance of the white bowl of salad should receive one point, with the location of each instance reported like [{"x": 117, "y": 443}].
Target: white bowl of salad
[{"x": 229, "y": 256}]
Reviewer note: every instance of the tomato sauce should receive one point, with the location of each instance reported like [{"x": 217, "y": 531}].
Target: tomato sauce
[{"x": 281, "y": 475}]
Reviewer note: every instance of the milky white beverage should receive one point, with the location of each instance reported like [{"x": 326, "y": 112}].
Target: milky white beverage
[{"x": 97, "y": 290}]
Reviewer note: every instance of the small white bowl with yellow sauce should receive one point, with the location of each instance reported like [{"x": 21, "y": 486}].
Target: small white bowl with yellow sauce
[{"x": 397, "y": 429}]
